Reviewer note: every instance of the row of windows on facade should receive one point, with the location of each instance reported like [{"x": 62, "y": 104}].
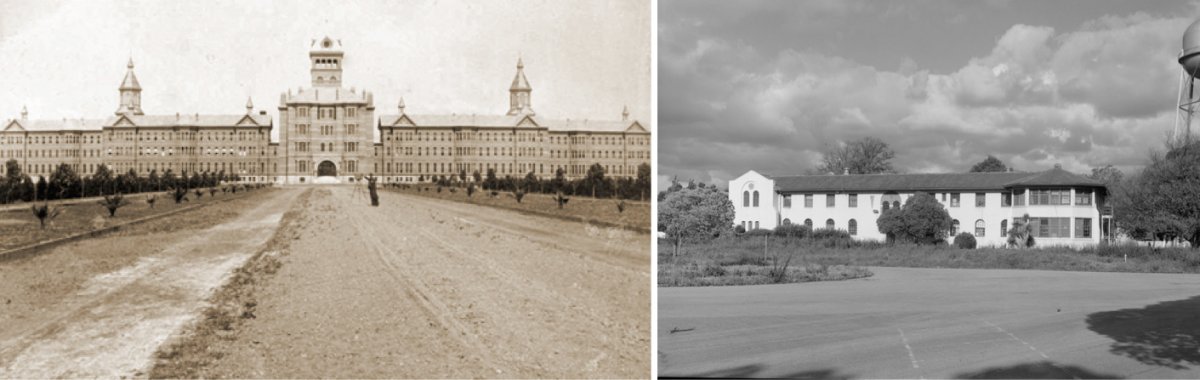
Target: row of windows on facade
[
  {"x": 146, "y": 168},
  {"x": 350, "y": 166},
  {"x": 501, "y": 168},
  {"x": 139, "y": 136},
  {"x": 508, "y": 152},
  {"x": 144, "y": 151},
  {"x": 327, "y": 147},
  {"x": 1036, "y": 197},
  {"x": 1041, "y": 227},
  {"x": 328, "y": 112},
  {"x": 510, "y": 136}
]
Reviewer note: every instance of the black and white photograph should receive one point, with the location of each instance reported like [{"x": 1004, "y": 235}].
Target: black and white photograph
[
  {"x": 927, "y": 189},
  {"x": 326, "y": 189}
]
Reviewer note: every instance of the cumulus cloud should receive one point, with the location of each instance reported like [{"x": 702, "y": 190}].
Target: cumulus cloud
[{"x": 1097, "y": 94}]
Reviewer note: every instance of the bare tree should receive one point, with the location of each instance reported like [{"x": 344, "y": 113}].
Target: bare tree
[{"x": 868, "y": 155}]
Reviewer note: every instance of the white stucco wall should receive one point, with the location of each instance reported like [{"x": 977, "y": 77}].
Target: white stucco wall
[{"x": 771, "y": 212}]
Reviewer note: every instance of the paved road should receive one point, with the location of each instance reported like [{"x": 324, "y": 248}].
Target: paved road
[{"x": 938, "y": 323}]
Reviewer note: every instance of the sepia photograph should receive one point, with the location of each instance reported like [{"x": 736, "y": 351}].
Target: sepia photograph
[
  {"x": 928, "y": 189},
  {"x": 326, "y": 189}
]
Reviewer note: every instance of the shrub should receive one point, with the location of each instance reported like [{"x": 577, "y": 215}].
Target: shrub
[
  {"x": 494, "y": 193},
  {"x": 713, "y": 270},
  {"x": 439, "y": 188},
  {"x": 792, "y": 230},
  {"x": 114, "y": 202},
  {"x": 830, "y": 233},
  {"x": 180, "y": 194},
  {"x": 621, "y": 207},
  {"x": 921, "y": 220},
  {"x": 150, "y": 200},
  {"x": 212, "y": 192},
  {"x": 739, "y": 229},
  {"x": 519, "y": 194},
  {"x": 199, "y": 193},
  {"x": 470, "y": 190},
  {"x": 759, "y": 232},
  {"x": 964, "y": 240},
  {"x": 561, "y": 199},
  {"x": 45, "y": 213},
  {"x": 453, "y": 189}
]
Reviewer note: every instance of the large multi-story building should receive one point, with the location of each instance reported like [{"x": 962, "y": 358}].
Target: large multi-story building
[
  {"x": 328, "y": 134},
  {"x": 1064, "y": 208}
]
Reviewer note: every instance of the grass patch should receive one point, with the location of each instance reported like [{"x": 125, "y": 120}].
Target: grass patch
[
  {"x": 626, "y": 214},
  {"x": 742, "y": 260},
  {"x": 197, "y": 348}
]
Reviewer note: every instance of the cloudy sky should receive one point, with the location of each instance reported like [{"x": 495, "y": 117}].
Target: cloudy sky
[
  {"x": 769, "y": 85},
  {"x": 67, "y": 58}
]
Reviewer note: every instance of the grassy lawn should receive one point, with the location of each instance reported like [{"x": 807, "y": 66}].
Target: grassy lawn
[
  {"x": 744, "y": 261},
  {"x": 590, "y": 210},
  {"x": 748, "y": 260},
  {"x": 19, "y": 227}
]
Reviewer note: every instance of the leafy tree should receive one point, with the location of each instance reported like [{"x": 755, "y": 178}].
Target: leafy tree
[
  {"x": 989, "y": 164},
  {"x": 595, "y": 177},
  {"x": 478, "y": 177},
  {"x": 643, "y": 181},
  {"x": 1108, "y": 174},
  {"x": 64, "y": 183},
  {"x": 694, "y": 214},
  {"x": 868, "y": 155},
  {"x": 1164, "y": 200},
  {"x": 491, "y": 182},
  {"x": 922, "y": 219},
  {"x": 102, "y": 179},
  {"x": 1020, "y": 235}
]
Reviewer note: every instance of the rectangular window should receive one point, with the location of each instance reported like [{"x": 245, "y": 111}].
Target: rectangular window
[
  {"x": 1053, "y": 227},
  {"x": 1006, "y": 199},
  {"x": 980, "y": 200},
  {"x": 954, "y": 198},
  {"x": 1019, "y": 197},
  {"x": 853, "y": 200},
  {"x": 1083, "y": 198},
  {"x": 787, "y": 201},
  {"x": 1083, "y": 227},
  {"x": 1050, "y": 197},
  {"x": 808, "y": 200},
  {"x": 830, "y": 201}
]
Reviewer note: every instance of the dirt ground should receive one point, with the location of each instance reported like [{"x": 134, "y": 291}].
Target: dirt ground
[
  {"x": 100, "y": 307},
  {"x": 421, "y": 287}
]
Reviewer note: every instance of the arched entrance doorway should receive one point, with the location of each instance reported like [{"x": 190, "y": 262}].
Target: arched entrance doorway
[{"x": 326, "y": 169}]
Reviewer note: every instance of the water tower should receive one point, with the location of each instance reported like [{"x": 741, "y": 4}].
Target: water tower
[{"x": 1189, "y": 67}]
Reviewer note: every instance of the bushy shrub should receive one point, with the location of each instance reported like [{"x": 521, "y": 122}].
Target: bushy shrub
[
  {"x": 793, "y": 230},
  {"x": 713, "y": 270},
  {"x": 830, "y": 233},
  {"x": 759, "y": 232},
  {"x": 964, "y": 240},
  {"x": 739, "y": 229},
  {"x": 113, "y": 202}
]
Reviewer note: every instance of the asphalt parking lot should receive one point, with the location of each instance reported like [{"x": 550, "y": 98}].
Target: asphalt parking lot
[{"x": 938, "y": 323}]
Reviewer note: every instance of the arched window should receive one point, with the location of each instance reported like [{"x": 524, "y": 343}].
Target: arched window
[
  {"x": 787, "y": 222},
  {"x": 954, "y": 228},
  {"x": 896, "y": 204},
  {"x": 808, "y": 223},
  {"x": 853, "y": 226},
  {"x": 745, "y": 199},
  {"x": 1004, "y": 228},
  {"x": 829, "y": 223},
  {"x": 979, "y": 228},
  {"x": 755, "y": 198}
]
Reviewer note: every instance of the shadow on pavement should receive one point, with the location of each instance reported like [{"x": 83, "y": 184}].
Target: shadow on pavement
[
  {"x": 753, "y": 369},
  {"x": 1036, "y": 370},
  {"x": 1164, "y": 334}
]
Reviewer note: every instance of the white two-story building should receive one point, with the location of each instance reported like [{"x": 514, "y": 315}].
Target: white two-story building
[{"x": 1064, "y": 208}]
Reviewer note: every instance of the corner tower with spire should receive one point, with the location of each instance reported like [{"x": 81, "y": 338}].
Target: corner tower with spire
[
  {"x": 131, "y": 93},
  {"x": 518, "y": 93}
]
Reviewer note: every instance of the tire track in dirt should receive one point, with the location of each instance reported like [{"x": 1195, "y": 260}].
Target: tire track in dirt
[
  {"x": 113, "y": 325},
  {"x": 577, "y": 308}
]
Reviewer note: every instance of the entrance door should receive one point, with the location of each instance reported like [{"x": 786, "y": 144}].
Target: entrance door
[{"x": 326, "y": 169}]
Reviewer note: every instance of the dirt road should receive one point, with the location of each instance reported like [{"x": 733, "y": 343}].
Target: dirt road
[
  {"x": 100, "y": 307},
  {"x": 938, "y": 323},
  {"x": 426, "y": 288}
]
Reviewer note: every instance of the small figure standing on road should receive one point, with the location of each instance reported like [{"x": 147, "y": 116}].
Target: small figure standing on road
[{"x": 371, "y": 187}]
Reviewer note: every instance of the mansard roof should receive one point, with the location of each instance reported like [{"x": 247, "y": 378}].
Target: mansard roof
[
  {"x": 188, "y": 120},
  {"x": 53, "y": 125},
  {"x": 930, "y": 182}
]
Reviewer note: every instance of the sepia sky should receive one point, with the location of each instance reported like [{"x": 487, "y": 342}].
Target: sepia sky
[
  {"x": 768, "y": 85},
  {"x": 583, "y": 59}
]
